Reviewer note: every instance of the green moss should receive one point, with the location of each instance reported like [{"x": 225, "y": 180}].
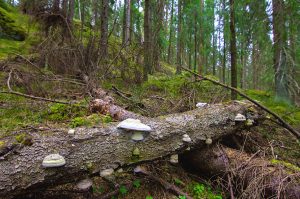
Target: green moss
[
  {"x": 79, "y": 121},
  {"x": 2, "y": 144},
  {"x": 8, "y": 27},
  {"x": 20, "y": 137},
  {"x": 63, "y": 112},
  {"x": 286, "y": 110},
  {"x": 286, "y": 165},
  {"x": 90, "y": 120}
]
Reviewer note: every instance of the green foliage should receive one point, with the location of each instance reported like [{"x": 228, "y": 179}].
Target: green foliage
[
  {"x": 4, "y": 5},
  {"x": 181, "y": 197},
  {"x": 78, "y": 121},
  {"x": 137, "y": 184},
  {"x": 9, "y": 28},
  {"x": 62, "y": 112},
  {"x": 99, "y": 189},
  {"x": 178, "y": 182},
  {"x": 201, "y": 191},
  {"x": 168, "y": 85},
  {"x": 17, "y": 113},
  {"x": 287, "y": 111},
  {"x": 123, "y": 190},
  {"x": 149, "y": 197}
]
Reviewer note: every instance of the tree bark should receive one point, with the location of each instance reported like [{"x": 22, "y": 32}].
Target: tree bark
[
  {"x": 91, "y": 150},
  {"x": 71, "y": 12},
  {"x": 233, "y": 52},
  {"x": 171, "y": 34},
  {"x": 104, "y": 30},
  {"x": 147, "y": 49},
  {"x": 201, "y": 40},
  {"x": 179, "y": 38},
  {"x": 126, "y": 23},
  {"x": 280, "y": 66}
]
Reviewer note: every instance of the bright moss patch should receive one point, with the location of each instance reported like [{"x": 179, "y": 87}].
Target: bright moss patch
[
  {"x": 286, "y": 165},
  {"x": 8, "y": 27},
  {"x": 90, "y": 120},
  {"x": 287, "y": 111},
  {"x": 20, "y": 22}
]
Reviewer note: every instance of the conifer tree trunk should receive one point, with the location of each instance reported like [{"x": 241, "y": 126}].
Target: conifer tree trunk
[
  {"x": 179, "y": 39},
  {"x": 171, "y": 33},
  {"x": 71, "y": 12},
  {"x": 126, "y": 22},
  {"x": 65, "y": 7},
  {"x": 280, "y": 67},
  {"x": 233, "y": 52},
  {"x": 147, "y": 50},
  {"x": 104, "y": 29},
  {"x": 201, "y": 40}
]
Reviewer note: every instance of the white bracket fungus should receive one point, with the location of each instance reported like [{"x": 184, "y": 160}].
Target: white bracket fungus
[
  {"x": 53, "y": 160},
  {"x": 201, "y": 105},
  {"x": 208, "y": 141},
  {"x": 186, "y": 138},
  {"x": 137, "y": 128},
  {"x": 106, "y": 172},
  {"x": 84, "y": 185},
  {"x": 71, "y": 132},
  {"x": 240, "y": 118},
  {"x": 174, "y": 159}
]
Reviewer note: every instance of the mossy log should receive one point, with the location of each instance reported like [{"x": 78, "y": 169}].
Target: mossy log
[{"x": 91, "y": 150}]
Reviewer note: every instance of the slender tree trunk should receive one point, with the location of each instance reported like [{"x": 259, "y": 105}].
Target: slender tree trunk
[
  {"x": 147, "y": 50},
  {"x": 65, "y": 7},
  {"x": 159, "y": 17},
  {"x": 195, "y": 42},
  {"x": 224, "y": 43},
  {"x": 96, "y": 14},
  {"x": 214, "y": 42},
  {"x": 104, "y": 29},
  {"x": 179, "y": 39},
  {"x": 201, "y": 40},
  {"x": 280, "y": 67},
  {"x": 233, "y": 52},
  {"x": 71, "y": 12},
  {"x": 126, "y": 22},
  {"x": 171, "y": 34}
]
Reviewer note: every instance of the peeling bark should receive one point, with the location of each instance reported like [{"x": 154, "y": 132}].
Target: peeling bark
[{"x": 91, "y": 150}]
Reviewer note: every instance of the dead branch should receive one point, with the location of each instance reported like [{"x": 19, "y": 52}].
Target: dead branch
[
  {"x": 170, "y": 187},
  {"x": 282, "y": 122}
]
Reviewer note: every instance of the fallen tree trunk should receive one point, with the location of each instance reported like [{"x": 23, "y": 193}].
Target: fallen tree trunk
[
  {"x": 91, "y": 150},
  {"x": 254, "y": 177}
]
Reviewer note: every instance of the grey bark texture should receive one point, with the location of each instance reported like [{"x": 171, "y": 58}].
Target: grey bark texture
[{"x": 91, "y": 150}]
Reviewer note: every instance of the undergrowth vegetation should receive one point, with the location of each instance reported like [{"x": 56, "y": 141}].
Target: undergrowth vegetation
[{"x": 19, "y": 34}]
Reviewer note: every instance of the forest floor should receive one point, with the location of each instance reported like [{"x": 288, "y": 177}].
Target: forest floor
[{"x": 164, "y": 93}]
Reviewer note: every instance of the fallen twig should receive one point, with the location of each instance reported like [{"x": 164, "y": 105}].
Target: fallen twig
[
  {"x": 281, "y": 121},
  {"x": 170, "y": 187},
  {"x": 39, "y": 98}
]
